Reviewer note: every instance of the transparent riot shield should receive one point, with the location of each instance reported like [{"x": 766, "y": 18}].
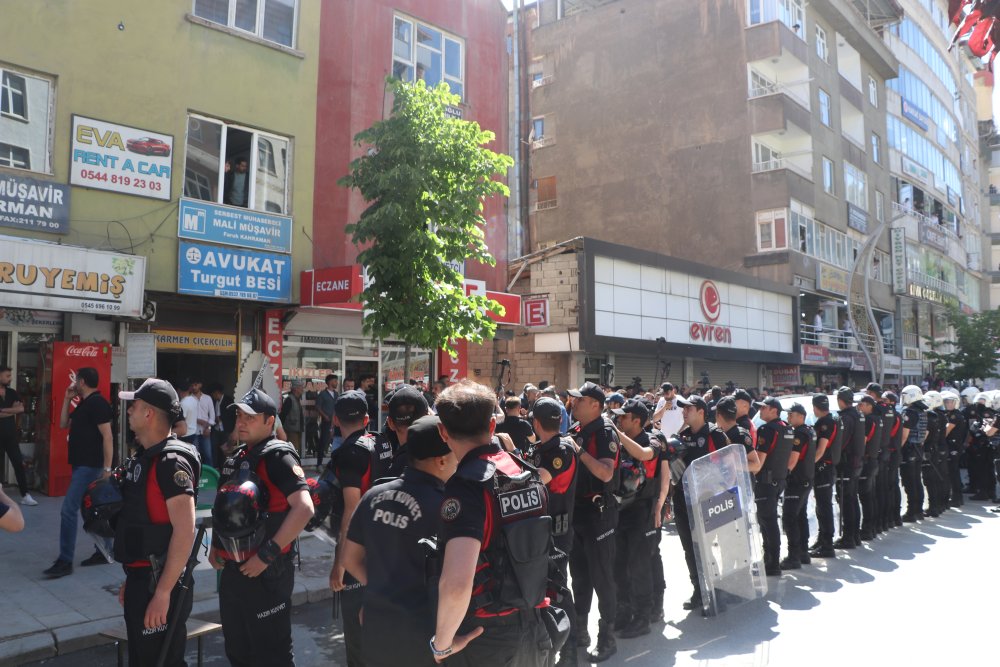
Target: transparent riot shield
[{"x": 727, "y": 543}]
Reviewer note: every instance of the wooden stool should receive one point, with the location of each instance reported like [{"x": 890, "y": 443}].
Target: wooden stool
[{"x": 195, "y": 628}]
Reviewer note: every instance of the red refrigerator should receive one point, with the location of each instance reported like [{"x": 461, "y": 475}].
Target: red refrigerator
[{"x": 53, "y": 454}]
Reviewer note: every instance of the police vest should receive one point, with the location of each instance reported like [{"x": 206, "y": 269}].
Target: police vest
[
  {"x": 777, "y": 436},
  {"x": 934, "y": 430},
  {"x": 562, "y": 488},
  {"x": 918, "y": 434},
  {"x": 805, "y": 468},
  {"x": 144, "y": 527},
  {"x": 380, "y": 457},
  {"x": 255, "y": 460},
  {"x": 512, "y": 572},
  {"x": 587, "y": 485}
]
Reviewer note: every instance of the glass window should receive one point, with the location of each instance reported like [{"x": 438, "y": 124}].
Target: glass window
[
  {"x": 273, "y": 20},
  {"x": 855, "y": 186},
  {"x": 828, "y": 182},
  {"x": 821, "y": 48},
  {"x": 873, "y": 91},
  {"x": 824, "y": 107},
  {"x": 790, "y": 12},
  {"x": 433, "y": 56},
  {"x": 272, "y": 156},
  {"x": 538, "y": 128},
  {"x": 14, "y": 156},
  {"x": 876, "y": 148},
  {"x": 879, "y": 206},
  {"x": 772, "y": 229},
  {"x": 25, "y": 121},
  {"x": 12, "y": 96}
]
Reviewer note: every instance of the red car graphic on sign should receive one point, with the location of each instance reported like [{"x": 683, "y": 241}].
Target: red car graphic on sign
[{"x": 148, "y": 146}]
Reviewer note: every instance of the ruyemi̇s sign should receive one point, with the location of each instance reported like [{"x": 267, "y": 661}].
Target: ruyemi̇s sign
[{"x": 48, "y": 276}]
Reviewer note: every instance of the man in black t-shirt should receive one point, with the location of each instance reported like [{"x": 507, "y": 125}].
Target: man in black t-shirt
[
  {"x": 800, "y": 479},
  {"x": 91, "y": 451},
  {"x": 10, "y": 407},
  {"x": 518, "y": 429}
]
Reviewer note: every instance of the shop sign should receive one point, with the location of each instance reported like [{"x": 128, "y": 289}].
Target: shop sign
[
  {"x": 233, "y": 274},
  {"x": 27, "y": 203},
  {"x": 785, "y": 376},
  {"x": 274, "y": 329},
  {"x": 912, "y": 368},
  {"x": 455, "y": 367},
  {"x": 892, "y": 364},
  {"x": 710, "y": 302},
  {"x": 931, "y": 294},
  {"x": 841, "y": 358},
  {"x": 915, "y": 114},
  {"x": 815, "y": 354},
  {"x": 831, "y": 279},
  {"x": 510, "y": 302},
  {"x": 119, "y": 158},
  {"x": 335, "y": 287},
  {"x": 47, "y": 276},
  {"x": 857, "y": 218},
  {"x": 194, "y": 341},
  {"x": 952, "y": 197},
  {"x": 536, "y": 311},
  {"x": 916, "y": 170},
  {"x": 232, "y": 225},
  {"x": 933, "y": 235},
  {"x": 859, "y": 362},
  {"x": 140, "y": 355},
  {"x": 911, "y": 353},
  {"x": 299, "y": 373},
  {"x": 898, "y": 242},
  {"x": 30, "y": 318}
]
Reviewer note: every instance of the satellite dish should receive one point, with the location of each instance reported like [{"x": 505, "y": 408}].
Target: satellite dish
[{"x": 258, "y": 371}]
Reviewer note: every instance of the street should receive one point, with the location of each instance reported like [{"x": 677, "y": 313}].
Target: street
[{"x": 916, "y": 596}]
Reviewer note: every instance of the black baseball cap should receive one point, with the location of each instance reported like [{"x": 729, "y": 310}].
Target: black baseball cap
[
  {"x": 256, "y": 402},
  {"x": 694, "y": 400},
  {"x": 547, "y": 410},
  {"x": 158, "y": 393},
  {"x": 890, "y": 397},
  {"x": 846, "y": 394},
  {"x": 742, "y": 395},
  {"x": 423, "y": 440},
  {"x": 769, "y": 402},
  {"x": 867, "y": 399},
  {"x": 590, "y": 390},
  {"x": 666, "y": 386},
  {"x": 726, "y": 406},
  {"x": 351, "y": 406},
  {"x": 797, "y": 407},
  {"x": 406, "y": 405},
  {"x": 636, "y": 408},
  {"x": 874, "y": 387},
  {"x": 821, "y": 401}
]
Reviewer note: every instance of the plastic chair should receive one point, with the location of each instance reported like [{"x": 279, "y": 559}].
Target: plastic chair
[{"x": 209, "y": 481}]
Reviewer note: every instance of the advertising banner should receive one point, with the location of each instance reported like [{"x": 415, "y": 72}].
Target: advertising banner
[
  {"x": 785, "y": 376},
  {"x": 815, "y": 354},
  {"x": 231, "y": 225},
  {"x": 897, "y": 240},
  {"x": 231, "y": 273},
  {"x": 48, "y": 276},
  {"x": 915, "y": 114},
  {"x": 831, "y": 279},
  {"x": 918, "y": 171},
  {"x": 934, "y": 236},
  {"x": 333, "y": 287},
  {"x": 119, "y": 158},
  {"x": 27, "y": 203},
  {"x": 274, "y": 328}
]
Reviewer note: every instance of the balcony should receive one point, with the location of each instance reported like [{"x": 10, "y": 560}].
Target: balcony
[
  {"x": 840, "y": 339},
  {"x": 796, "y": 90},
  {"x": 800, "y": 163},
  {"x": 931, "y": 282}
]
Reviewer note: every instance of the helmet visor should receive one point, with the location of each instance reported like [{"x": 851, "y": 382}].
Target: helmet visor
[
  {"x": 243, "y": 547},
  {"x": 98, "y": 532}
]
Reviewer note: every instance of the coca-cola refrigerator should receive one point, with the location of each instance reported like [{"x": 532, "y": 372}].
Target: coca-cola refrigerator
[{"x": 59, "y": 364}]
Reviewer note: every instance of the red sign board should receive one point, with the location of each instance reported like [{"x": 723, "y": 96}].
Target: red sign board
[
  {"x": 785, "y": 376},
  {"x": 274, "y": 330},
  {"x": 455, "y": 368},
  {"x": 536, "y": 311},
  {"x": 815, "y": 354},
  {"x": 511, "y": 304},
  {"x": 335, "y": 287}
]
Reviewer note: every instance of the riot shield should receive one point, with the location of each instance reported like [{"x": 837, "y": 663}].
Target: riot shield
[{"x": 727, "y": 543}]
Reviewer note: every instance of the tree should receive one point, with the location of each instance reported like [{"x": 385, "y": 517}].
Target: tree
[
  {"x": 975, "y": 347},
  {"x": 424, "y": 176}
]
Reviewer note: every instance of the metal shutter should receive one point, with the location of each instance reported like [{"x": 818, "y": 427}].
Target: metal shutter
[
  {"x": 628, "y": 367},
  {"x": 741, "y": 373}
]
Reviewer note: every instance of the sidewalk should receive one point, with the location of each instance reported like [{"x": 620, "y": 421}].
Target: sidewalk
[{"x": 48, "y": 617}]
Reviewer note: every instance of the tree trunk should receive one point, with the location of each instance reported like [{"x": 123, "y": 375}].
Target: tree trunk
[{"x": 406, "y": 363}]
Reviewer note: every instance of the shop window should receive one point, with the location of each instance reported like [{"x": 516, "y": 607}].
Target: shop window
[
  {"x": 237, "y": 166},
  {"x": 25, "y": 120},
  {"x": 273, "y": 20},
  {"x": 420, "y": 51}
]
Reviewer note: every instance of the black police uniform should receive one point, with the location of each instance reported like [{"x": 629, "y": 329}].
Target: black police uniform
[
  {"x": 595, "y": 519},
  {"x": 256, "y": 612},
  {"x": 942, "y": 482},
  {"x": 915, "y": 420},
  {"x": 956, "y": 447},
  {"x": 774, "y": 439},
  {"x": 828, "y": 427},
  {"x": 869, "y": 474},
  {"x": 983, "y": 449},
  {"x": 360, "y": 460},
  {"x": 399, "y": 612},
  {"x": 709, "y": 438},
  {"x": 153, "y": 475},
  {"x": 741, "y": 435},
  {"x": 883, "y": 492},
  {"x": 793, "y": 510},
  {"x": 848, "y": 475},
  {"x": 894, "y": 496},
  {"x": 931, "y": 462},
  {"x": 513, "y": 520}
]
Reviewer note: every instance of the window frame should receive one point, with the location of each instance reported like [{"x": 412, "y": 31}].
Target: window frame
[
  {"x": 411, "y": 63},
  {"x": 876, "y": 143},
  {"x": 7, "y": 94},
  {"x": 825, "y": 109},
  {"x": 258, "y": 32},
  {"x": 773, "y": 220},
  {"x": 859, "y": 176},
  {"x": 828, "y": 168},
  {"x": 872, "y": 91},
  {"x": 9, "y": 150},
  {"x": 534, "y": 124},
  {"x": 822, "y": 45},
  {"x": 879, "y": 206}
]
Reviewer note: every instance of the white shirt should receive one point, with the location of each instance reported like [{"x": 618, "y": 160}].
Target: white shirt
[
  {"x": 189, "y": 405},
  {"x": 206, "y": 409},
  {"x": 818, "y": 322},
  {"x": 672, "y": 419}
]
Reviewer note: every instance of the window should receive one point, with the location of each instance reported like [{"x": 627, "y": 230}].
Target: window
[
  {"x": 422, "y": 52},
  {"x": 828, "y": 183},
  {"x": 538, "y": 128},
  {"x": 824, "y": 107},
  {"x": 765, "y": 158},
  {"x": 821, "y": 48},
  {"x": 12, "y": 97},
  {"x": 855, "y": 186},
  {"x": 760, "y": 84},
  {"x": 14, "y": 156},
  {"x": 546, "y": 195},
  {"x": 238, "y": 166},
  {"x": 790, "y": 12},
  {"x": 879, "y": 206},
  {"x": 772, "y": 230},
  {"x": 273, "y": 20},
  {"x": 876, "y": 148},
  {"x": 873, "y": 91}
]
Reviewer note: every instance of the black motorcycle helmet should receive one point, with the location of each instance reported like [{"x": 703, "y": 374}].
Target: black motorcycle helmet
[
  {"x": 238, "y": 516},
  {"x": 102, "y": 501},
  {"x": 321, "y": 491}
]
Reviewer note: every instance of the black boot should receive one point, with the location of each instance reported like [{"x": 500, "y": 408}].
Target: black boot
[
  {"x": 606, "y": 644},
  {"x": 656, "y": 613},
  {"x": 823, "y": 551},
  {"x": 582, "y": 636},
  {"x": 638, "y": 627},
  {"x": 568, "y": 656},
  {"x": 790, "y": 563},
  {"x": 622, "y": 619},
  {"x": 694, "y": 602}
]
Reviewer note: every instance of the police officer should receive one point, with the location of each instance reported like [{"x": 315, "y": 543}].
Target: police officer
[
  {"x": 887, "y": 416},
  {"x": 956, "y": 435},
  {"x": 500, "y": 621},
  {"x": 893, "y": 498},
  {"x": 406, "y": 405},
  {"x": 744, "y": 403},
  {"x": 727, "y": 419},
  {"x": 595, "y": 518},
  {"x": 829, "y": 437},
  {"x": 914, "y": 435},
  {"x": 802, "y": 464},
  {"x": 849, "y": 470},
  {"x": 384, "y": 552},
  {"x": 155, "y": 529},
  {"x": 982, "y": 475},
  {"x": 555, "y": 457},
  {"x": 698, "y": 438},
  {"x": 360, "y": 460},
  {"x": 870, "y": 409},
  {"x": 930, "y": 467},
  {"x": 774, "y": 448},
  {"x": 255, "y": 595}
]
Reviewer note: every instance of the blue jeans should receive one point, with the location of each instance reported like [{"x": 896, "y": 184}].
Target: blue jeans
[
  {"x": 203, "y": 442},
  {"x": 70, "y": 515}
]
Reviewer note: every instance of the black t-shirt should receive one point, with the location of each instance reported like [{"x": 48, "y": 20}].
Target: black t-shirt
[
  {"x": 8, "y": 424},
  {"x": 598, "y": 440},
  {"x": 804, "y": 444},
  {"x": 826, "y": 429},
  {"x": 519, "y": 430},
  {"x": 86, "y": 445},
  {"x": 739, "y": 434},
  {"x": 358, "y": 466}
]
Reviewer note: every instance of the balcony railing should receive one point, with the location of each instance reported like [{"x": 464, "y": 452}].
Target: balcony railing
[
  {"x": 841, "y": 339},
  {"x": 786, "y": 162},
  {"x": 765, "y": 89},
  {"x": 911, "y": 340},
  {"x": 926, "y": 280},
  {"x": 926, "y": 219},
  {"x": 545, "y": 205}
]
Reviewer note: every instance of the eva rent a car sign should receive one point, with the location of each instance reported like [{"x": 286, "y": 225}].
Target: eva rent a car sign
[{"x": 119, "y": 158}]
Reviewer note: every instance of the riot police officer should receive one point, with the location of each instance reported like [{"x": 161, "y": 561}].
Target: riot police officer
[
  {"x": 956, "y": 435},
  {"x": 891, "y": 517},
  {"x": 870, "y": 410},
  {"x": 931, "y": 464},
  {"x": 914, "y": 435},
  {"x": 155, "y": 528},
  {"x": 887, "y": 415},
  {"x": 802, "y": 462},
  {"x": 849, "y": 470},
  {"x": 255, "y": 589},
  {"x": 490, "y": 604},
  {"x": 982, "y": 452},
  {"x": 829, "y": 439},
  {"x": 774, "y": 449},
  {"x": 727, "y": 418},
  {"x": 384, "y": 551}
]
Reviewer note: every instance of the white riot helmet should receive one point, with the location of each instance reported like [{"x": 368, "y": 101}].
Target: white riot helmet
[
  {"x": 911, "y": 394},
  {"x": 982, "y": 397},
  {"x": 950, "y": 395},
  {"x": 996, "y": 402},
  {"x": 969, "y": 394},
  {"x": 932, "y": 399}
]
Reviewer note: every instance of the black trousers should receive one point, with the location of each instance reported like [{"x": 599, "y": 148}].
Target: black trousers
[
  {"x": 351, "y": 601},
  {"x": 894, "y": 508},
  {"x": 683, "y": 523},
  {"x": 564, "y": 597},
  {"x": 850, "y": 508},
  {"x": 656, "y": 561},
  {"x": 592, "y": 561},
  {"x": 518, "y": 640},
  {"x": 823, "y": 492},
  {"x": 866, "y": 494},
  {"x": 955, "y": 475},
  {"x": 633, "y": 575},
  {"x": 933, "y": 480},
  {"x": 766, "y": 496},
  {"x": 794, "y": 519},
  {"x": 910, "y": 472},
  {"x": 144, "y": 645},
  {"x": 256, "y": 615},
  {"x": 883, "y": 496},
  {"x": 325, "y": 438},
  {"x": 10, "y": 447}
]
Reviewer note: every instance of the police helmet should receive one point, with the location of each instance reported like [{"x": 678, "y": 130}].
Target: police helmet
[
  {"x": 950, "y": 395},
  {"x": 633, "y": 474},
  {"x": 321, "y": 491},
  {"x": 995, "y": 403},
  {"x": 102, "y": 501},
  {"x": 933, "y": 399},
  {"x": 911, "y": 394},
  {"x": 970, "y": 393},
  {"x": 238, "y": 516}
]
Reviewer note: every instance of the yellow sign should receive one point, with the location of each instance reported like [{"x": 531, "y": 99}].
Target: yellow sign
[{"x": 194, "y": 341}]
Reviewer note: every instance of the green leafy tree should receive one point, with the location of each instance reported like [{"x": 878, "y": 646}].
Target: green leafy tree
[
  {"x": 975, "y": 346},
  {"x": 424, "y": 176}
]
